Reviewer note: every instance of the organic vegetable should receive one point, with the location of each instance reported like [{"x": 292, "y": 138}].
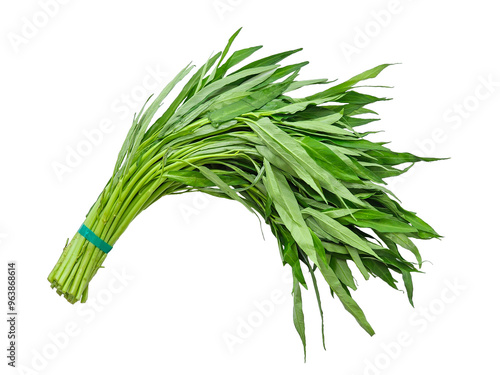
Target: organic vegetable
[{"x": 302, "y": 164}]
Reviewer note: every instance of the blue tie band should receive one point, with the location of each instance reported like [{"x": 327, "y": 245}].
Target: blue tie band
[{"x": 94, "y": 239}]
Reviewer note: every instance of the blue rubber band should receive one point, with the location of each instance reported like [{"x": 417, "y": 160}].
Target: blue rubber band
[{"x": 94, "y": 239}]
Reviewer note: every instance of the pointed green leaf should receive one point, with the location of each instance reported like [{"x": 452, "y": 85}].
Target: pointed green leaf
[{"x": 298, "y": 314}]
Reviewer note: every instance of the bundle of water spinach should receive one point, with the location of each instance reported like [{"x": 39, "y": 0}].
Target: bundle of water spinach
[{"x": 302, "y": 164}]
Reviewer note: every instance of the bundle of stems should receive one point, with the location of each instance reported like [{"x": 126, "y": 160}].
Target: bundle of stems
[{"x": 301, "y": 164}]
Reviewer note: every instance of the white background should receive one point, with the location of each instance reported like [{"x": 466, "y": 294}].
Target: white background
[{"x": 191, "y": 269}]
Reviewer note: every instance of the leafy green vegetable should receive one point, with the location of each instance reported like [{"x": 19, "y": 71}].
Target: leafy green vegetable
[{"x": 302, "y": 164}]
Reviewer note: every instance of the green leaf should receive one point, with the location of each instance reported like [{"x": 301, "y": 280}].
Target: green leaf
[
  {"x": 298, "y": 106},
  {"x": 336, "y": 213},
  {"x": 225, "y": 188},
  {"x": 202, "y": 95},
  {"x": 299, "y": 159},
  {"x": 224, "y": 53},
  {"x": 197, "y": 179},
  {"x": 353, "y": 252},
  {"x": 298, "y": 314},
  {"x": 291, "y": 256},
  {"x": 353, "y": 97},
  {"x": 299, "y": 84},
  {"x": 343, "y": 272},
  {"x": 275, "y": 155},
  {"x": 319, "y": 125},
  {"x": 403, "y": 241},
  {"x": 282, "y": 72},
  {"x": 182, "y": 96},
  {"x": 145, "y": 120},
  {"x": 371, "y": 73},
  {"x": 318, "y": 298},
  {"x": 408, "y": 285},
  {"x": 288, "y": 209},
  {"x": 328, "y": 160},
  {"x": 390, "y": 225},
  {"x": 381, "y": 270},
  {"x": 389, "y": 157},
  {"x": 234, "y": 59},
  {"x": 270, "y": 60},
  {"x": 349, "y": 304},
  {"x": 339, "y": 231},
  {"x": 250, "y": 102}
]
